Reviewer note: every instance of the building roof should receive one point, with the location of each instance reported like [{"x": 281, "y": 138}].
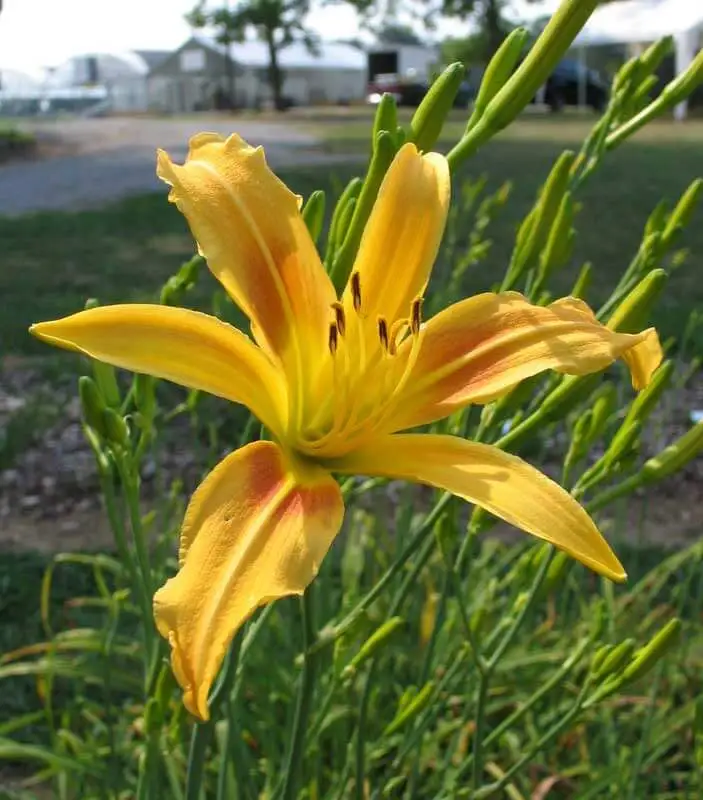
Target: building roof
[
  {"x": 328, "y": 55},
  {"x": 641, "y": 21},
  {"x": 152, "y": 58}
]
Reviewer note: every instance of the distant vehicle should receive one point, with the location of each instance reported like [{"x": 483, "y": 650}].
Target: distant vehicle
[
  {"x": 409, "y": 91},
  {"x": 563, "y": 87}
]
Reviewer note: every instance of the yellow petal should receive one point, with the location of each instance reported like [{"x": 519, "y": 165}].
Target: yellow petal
[
  {"x": 402, "y": 236},
  {"x": 479, "y": 348},
  {"x": 187, "y": 347},
  {"x": 500, "y": 482},
  {"x": 249, "y": 228},
  {"x": 256, "y": 529}
]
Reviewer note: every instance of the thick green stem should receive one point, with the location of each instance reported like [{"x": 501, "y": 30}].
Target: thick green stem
[{"x": 306, "y": 691}]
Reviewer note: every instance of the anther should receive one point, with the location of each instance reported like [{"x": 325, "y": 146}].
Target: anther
[
  {"x": 341, "y": 320},
  {"x": 416, "y": 316},
  {"x": 356, "y": 291},
  {"x": 383, "y": 332},
  {"x": 333, "y": 338}
]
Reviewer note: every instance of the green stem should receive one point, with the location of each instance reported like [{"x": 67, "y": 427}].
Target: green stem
[
  {"x": 306, "y": 691},
  {"x": 416, "y": 541}
]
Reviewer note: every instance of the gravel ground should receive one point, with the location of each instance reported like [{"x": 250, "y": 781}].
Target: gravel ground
[{"x": 84, "y": 162}]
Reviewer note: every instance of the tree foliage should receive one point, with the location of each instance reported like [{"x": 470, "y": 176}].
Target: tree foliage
[{"x": 278, "y": 23}]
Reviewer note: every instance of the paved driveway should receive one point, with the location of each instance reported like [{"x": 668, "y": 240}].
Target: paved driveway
[{"x": 90, "y": 162}]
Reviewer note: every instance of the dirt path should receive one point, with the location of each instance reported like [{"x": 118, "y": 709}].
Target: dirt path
[{"x": 85, "y": 162}]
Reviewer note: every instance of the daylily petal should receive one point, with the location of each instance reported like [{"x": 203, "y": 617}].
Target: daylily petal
[
  {"x": 256, "y": 529},
  {"x": 249, "y": 228},
  {"x": 179, "y": 345},
  {"x": 500, "y": 482},
  {"x": 402, "y": 235},
  {"x": 479, "y": 348}
]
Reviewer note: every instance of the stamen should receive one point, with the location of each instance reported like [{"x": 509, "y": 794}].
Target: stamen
[
  {"x": 383, "y": 333},
  {"x": 356, "y": 291},
  {"x": 333, "y": 338},
  {"x": 416, "y": 316},
  {"x": 396, "y": 334},
  {"x": 341, "y": 320}
]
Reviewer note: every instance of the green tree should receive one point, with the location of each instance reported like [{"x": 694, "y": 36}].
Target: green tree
[{"x": 278, "y": 23}]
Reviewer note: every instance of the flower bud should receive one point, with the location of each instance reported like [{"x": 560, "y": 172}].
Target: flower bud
[
  {"x": 116, "y": 429},
  {"x": 92, "y": 405},
  {"x": 646, "y": 657},
  {"x": 634, "y": 311},
  {"x": 411, "y": 709},
  {"x": 371, "y": 646},
  {"x": 428, "y": 121},
  {"x": 314, "y": 213},
  {"x": 336, "y": 231},
  {"x": 681, "y": 215},
  {"x": 614, "y": 659},
  {"x": 675, "y": 456},
  {"x": 499, "y": 69},
  {"x": 386, "y": 117}
]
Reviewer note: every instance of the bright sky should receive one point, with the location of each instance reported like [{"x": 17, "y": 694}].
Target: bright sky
[{"x": 40, "y": 33}]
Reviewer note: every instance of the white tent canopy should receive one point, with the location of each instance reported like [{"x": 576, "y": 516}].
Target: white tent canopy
[{"x": 645, "y": 21}]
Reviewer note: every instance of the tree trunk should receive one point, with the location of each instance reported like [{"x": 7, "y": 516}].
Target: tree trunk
[
  {"x": 275, "y": 74},
  {"x": 492, "y": 27}
]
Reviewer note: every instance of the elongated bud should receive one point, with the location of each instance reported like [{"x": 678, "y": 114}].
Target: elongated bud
[
  {"x": 681, "y": 215},
  {"x": 646, "y": 657},
  {"x": 557, "y": 572},
  {"x": 675, "y": 456},
  {"x": 560, "y": 240},
  {"x": 599, "y": 657},
  {"x": 116, "y": 428},
  {"x": 378, "y": 639},
  {"x": 657, "y": 219},
  {"x": 533, "y": 235},
  {"x": 314, "y": 213},
  {"x": 428, "y": 121},
  {"x": 381, "y": 159},
  {"x": 145, "y": 395},
  {"x": 646, "y": 401},
  {"x": 411, "y": 709},
  {"x": 533, "y": 72},
  {"x": 153, "y": 717},
  {"x": 338, "y": 230},
  {"x": 656, "y": 53},
  {"x": 499, "y": 69},
  {"x": 92, "y": 405},
  {"x": 623, "y": 442},
  {"x": 683, "y": 85},
  {"x": 614, "y": 660},
  {"x": 386, "y": 117},
  {"x": 583, "y": 281},
  {"x": 634, "y": 311},
  {"x": 570, "y": 391},
  {"x": 602, "y": 410}
]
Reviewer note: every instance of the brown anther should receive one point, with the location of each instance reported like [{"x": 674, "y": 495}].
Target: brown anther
[
  {"x": 341, "y": 320},
  {"x": 416, "y": 316},
  {"x": 383, "y": 332},
  {"x": 333, "y": 338},
  {"x": 356, "y": 291}
]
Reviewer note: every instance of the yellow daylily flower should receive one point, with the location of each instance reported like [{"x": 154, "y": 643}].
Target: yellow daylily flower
[{"x": 334, "y": 380}]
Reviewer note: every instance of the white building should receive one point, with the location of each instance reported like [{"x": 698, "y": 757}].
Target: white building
[
  {"x": 123, "y": 76},
  {"x": 192, "y": 77},
  {"x": 405, "y": 60}
]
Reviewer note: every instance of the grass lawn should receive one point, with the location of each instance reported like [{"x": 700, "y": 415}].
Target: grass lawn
[{"x": 53, "y": 261}]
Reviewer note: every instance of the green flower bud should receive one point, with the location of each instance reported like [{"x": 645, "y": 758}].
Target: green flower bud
[
  {"x": 499, "y": 69},
  {"x": 153, "y": 717},
  {"x": 599, "y": 657},
  {"x": 560, "y": 241},
  {"x": 583, "y": 281},
  {"x": 411, "y": 709},
  {"x": 631, "y": 315},
  {"x": 116, "y": 429},
  {"x": 92, "y": 405},
  {"x": 386, "y": 117},
  {"x": 336, "y": 231},
  {"x": 622, "y": 443},
  {"x": 381, "y": 159},
  {"x": 314, "y": 213},
  {"x": 675, "y": 456},
  {"x": 428, "y": 121},
  {"x": 646, "y": 657},
  {"x": 646, "y": 401},
  {"x": 681, "y": 215},
  {"x": 614, "y": 660},
  {"x": 656, "y": 53},
  {"x": 379, "y": 638}
]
